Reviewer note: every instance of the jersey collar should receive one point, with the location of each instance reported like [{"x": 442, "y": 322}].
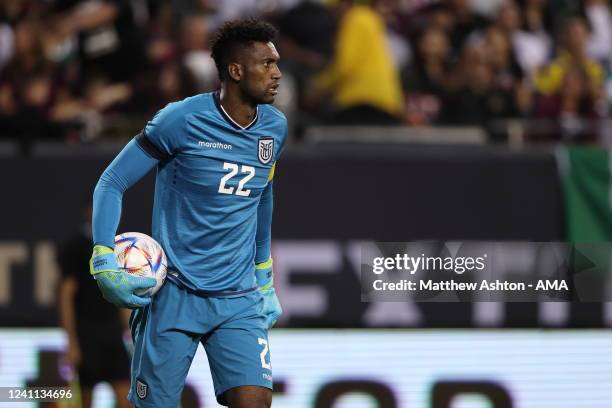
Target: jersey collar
[{"x": 228, "y": 118}]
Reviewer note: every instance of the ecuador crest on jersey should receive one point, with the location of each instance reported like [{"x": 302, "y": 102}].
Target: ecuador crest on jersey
[{"x": 265, "y": 149}]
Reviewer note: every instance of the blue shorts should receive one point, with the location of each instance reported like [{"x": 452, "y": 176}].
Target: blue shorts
[{"x": 167, "y": 333}]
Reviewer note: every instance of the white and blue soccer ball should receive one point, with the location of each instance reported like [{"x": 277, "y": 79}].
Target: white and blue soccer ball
[{"x": 140, "y": 255}]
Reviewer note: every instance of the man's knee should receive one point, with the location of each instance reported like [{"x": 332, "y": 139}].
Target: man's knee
[
  {"x": 262, "y": 400},
  {"x": 249, "y": 397}
]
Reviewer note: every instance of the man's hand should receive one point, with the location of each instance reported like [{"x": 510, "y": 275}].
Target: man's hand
[
  {"x": 116, "y": 286},
  {"x": 271, "y": 307}
]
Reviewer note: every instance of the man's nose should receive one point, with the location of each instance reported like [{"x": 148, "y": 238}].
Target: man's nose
[{"x": 276, "y": 73}]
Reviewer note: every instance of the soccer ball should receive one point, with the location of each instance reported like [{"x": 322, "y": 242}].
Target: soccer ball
[{"x": 140, "y": 255}]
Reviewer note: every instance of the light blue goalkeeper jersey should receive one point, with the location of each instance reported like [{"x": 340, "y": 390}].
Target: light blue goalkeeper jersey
[{"x": 210, "y": 177}]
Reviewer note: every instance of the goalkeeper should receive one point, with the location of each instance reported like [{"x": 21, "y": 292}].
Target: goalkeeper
[{"x": 215, "y": 156}]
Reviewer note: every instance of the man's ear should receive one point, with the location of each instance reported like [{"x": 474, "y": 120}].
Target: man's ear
[{"x": 234, "y": 70}]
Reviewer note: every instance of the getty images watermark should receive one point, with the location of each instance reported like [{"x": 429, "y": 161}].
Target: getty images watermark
[{"x": 486, "y": 271}]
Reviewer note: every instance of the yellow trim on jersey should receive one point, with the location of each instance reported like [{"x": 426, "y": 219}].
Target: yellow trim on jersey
[{"x": 271, "y": 174}]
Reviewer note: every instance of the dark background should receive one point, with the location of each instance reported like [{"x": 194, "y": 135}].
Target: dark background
[{"x": 330, "y": 192}]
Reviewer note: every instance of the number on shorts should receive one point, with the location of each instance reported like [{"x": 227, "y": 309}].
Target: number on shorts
[{"x": 263, "y": 353}]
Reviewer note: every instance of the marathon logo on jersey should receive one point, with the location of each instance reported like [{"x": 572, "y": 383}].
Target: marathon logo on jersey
[
  {"x": 141, "y": 389},
  {"x": 215, "y": 145},
  {"x": 265, "y": 149}
]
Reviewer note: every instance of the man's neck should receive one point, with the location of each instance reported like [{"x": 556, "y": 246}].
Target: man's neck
[{"x": 239, "y": 110}]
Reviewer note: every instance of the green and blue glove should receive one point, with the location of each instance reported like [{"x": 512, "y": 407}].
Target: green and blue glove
[
  {"x": 271, "y": 306},
  {"x": 116, "y": 286}
]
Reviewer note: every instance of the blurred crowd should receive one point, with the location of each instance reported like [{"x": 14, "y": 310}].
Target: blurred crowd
[{"x": 74, "y": 70}]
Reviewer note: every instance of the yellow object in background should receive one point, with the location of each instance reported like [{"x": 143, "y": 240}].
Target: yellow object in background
[
  {"x": 362, "y": 71},
  {"x": 549, "y": 79}
]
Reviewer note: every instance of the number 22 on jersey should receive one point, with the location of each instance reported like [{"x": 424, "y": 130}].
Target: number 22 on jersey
[{"x": 233, "y": 168}]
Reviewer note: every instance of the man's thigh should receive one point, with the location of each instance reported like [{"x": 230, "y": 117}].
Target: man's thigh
[
  {"x": 238, "y": 351},
  {"x": 163, "y": 351}
]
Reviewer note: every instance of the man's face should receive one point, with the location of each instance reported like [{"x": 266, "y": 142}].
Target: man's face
[{"x": 261, "y": 75}]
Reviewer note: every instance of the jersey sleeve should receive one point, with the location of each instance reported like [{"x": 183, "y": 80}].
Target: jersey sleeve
[
  {"x": 159, "y": 138},
  {"x": 263, "y": 237},
  {"x": 126, "y": 169}
]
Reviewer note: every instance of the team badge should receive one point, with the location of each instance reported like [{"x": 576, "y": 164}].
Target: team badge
[
  {"x": 141, "y": 389},
  {"x": 265, "y": 149}
]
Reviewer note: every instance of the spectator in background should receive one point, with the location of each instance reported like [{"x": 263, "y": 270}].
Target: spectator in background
[
  {"x": 104, "y": 96},
  {"x": 174, "y": 83},
  {"x": 195, "y": 53},
  {"x": 59, "y": 44},
  {"x": 7, "y": 43},
  {"x": 25, "y": 110},
  {"x": 69, "y": 67},
  {"x": 537, "y": 15},
  {"x": 93, "y": 326},
  {"x": 27, "y": 88},
  {"x": 225, "y": 10},
  {"x": 28, "y": 56},
  {"x": 362, "y": 79},
  {"x": 531, "y": 43},
  {"x": 440, "y": 15},
  {"x": 574, "y": 102},
  {"x": 486, "y": 8},
  {"x": 36, "y": 96},
  {"x": 305, "y": 42},
  {"x": 307, "y": 32},
  {"x": 573, "y": 55},
  {"x": 576, "y": 98},
  {"x": 14, "y": 11},
  {"x": 570, "y": 88},
  {"x": 109, "y": 40},
  {"x": 599, "y": 44},
  {"x": 170, "y": 82},
  {"x": 466, "y": 21},
  {"x": 426, "y": 79},
  {"x": 161, "y": 45},
  {"x": 401, "y": 51},
  {"x": 508, "y": 75},
  {"x": 434, "y": 14},
  {"x": 72, "y": 62},
  {"x": 476, "y": 98}
]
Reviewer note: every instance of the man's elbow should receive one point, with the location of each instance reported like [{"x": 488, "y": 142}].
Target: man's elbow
[{"x": 109, "y": 182}]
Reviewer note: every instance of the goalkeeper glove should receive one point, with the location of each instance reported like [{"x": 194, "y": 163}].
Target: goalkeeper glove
[
  {"x": 116, "y": 286},
  {"x": 271, "y": 306}
]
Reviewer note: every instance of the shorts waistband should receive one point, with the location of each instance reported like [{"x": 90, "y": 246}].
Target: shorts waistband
[{"x": 174, "y": 278}]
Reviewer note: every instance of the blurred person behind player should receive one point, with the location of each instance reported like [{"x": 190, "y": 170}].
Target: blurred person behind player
[
  {"x": 93, "y": 327},
  {"x": 215, "y": 155},
  {"x": 363, "y": 91}
]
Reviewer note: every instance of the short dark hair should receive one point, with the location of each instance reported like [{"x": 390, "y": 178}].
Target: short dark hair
[{"x": 238, "y": 33}]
